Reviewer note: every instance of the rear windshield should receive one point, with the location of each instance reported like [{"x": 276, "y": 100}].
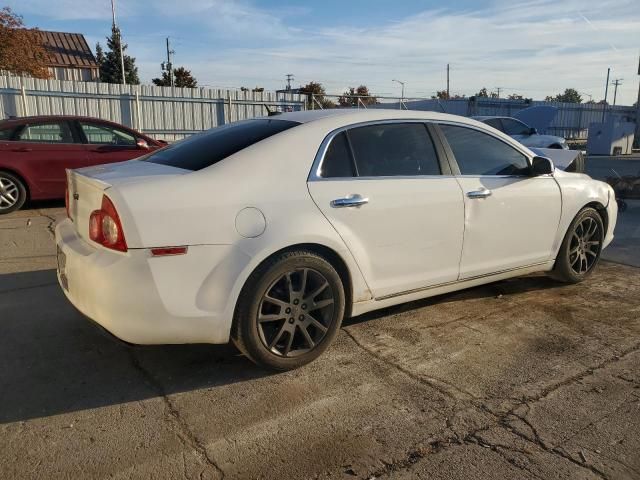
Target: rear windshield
[{"x": 204, "y": 149}]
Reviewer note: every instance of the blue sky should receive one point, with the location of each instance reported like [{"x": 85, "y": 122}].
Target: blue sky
[{"x": 535, "y": 48}]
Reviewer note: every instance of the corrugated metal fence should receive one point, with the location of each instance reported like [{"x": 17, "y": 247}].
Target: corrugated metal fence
[
  {"x": 161, "y": 112},
  {"x": 572, "y": 120}
]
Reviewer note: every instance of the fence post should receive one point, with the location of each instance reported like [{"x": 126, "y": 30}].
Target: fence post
[
  {"x": 138, "y": 117},
  {"x": 25, "y": 106},
  {"x": 229, "y": 104}
]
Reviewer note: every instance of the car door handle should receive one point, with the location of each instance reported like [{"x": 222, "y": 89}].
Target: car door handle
[
  {"x": 354, "y": 200},
  {"x": 482, "y": 193}
]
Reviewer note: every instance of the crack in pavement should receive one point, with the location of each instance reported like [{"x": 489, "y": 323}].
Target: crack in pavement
[
  {"x": 502, "y": 420},
  {"x": 439, "y": 385},
  {"x": 184, "y": 433}
]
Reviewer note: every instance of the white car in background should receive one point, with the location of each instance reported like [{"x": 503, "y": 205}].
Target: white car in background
[
  {"x": 520, "y": 131},
  {"x": 270, "y": 231}
]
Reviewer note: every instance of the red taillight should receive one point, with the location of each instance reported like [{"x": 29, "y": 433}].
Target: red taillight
[
  {"x": 105, "y": 227},
  {"x": 66, "y": 201}
]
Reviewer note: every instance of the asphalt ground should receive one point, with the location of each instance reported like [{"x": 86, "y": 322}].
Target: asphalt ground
[{"x": 525, "y": 378}]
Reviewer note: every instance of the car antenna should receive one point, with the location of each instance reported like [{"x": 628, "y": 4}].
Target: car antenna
[{"x": 271, "y": 113}]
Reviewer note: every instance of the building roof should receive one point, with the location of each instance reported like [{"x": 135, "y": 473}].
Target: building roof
[{"x": 67, "y": 50}]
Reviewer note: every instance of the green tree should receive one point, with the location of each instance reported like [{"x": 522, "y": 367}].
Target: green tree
[
  {"x": 111, "y": 69},
  {"x": 357, "y": 96},
  {"x": 482, "y": 93},
  {"x": 316, "y": 90},
  {"x": 570, "y": 95},
  {"x": 181, "y": 78},
  {"x": 515, "y": 96}
]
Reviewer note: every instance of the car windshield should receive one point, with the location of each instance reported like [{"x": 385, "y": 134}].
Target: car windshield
[{"x": 207, "y": 148}]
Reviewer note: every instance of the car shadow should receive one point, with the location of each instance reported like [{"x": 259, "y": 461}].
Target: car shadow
[
  {"x": 56, "y": 361},
  {"x": 504, "y": 287}
]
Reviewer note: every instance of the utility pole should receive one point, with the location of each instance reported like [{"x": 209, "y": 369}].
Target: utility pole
[
  {"x": 168, "y": 66},
  {"x": 498, "y": 91},
  {"x": 638, "y": 108},
  {"x": 116, "y": 29},
  {"x": 617, "y": 82},
  {"x": 290, "y": 77},
  {"x": 448, "y": 97},
  {"x": 606, "y": 93}
]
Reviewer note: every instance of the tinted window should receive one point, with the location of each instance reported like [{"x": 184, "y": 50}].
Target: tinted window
[
  {"x": 204, "y": 149},
  {"x": 394, "y": 149},
  {"x": 495, "y": 123},
  {"x": 478, "y": 153},
  {"x": 515, "y": 127},
  {"x": 46, "y": 133},
  {"x": 337, "y": 160},
  {"x": 6, "y": 134},
  {"x": 106, "y": 135}
]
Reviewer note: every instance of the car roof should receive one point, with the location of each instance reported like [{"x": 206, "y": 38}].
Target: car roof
[
  {"x": 482, "y": 118},
  {"x": 45, "y": 118},
  {"x": 347, "y": 116}
]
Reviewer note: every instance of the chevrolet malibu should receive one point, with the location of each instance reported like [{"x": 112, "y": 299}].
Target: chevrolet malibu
[{"x": 270, "y": 231}]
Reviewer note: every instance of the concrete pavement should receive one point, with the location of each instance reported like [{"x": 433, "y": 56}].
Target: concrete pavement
[{"x": 525, "y": 378}]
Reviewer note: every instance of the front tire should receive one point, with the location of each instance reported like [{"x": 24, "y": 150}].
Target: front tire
[
  {"x": 13, "y": 193},
  {"x": 289, "y": 311},
  {"x": 580, "y": 250}
]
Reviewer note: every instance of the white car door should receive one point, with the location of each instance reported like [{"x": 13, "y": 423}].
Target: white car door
[
  {"x": 382, "y": 188},
  {"x": 511, "y": 217}
]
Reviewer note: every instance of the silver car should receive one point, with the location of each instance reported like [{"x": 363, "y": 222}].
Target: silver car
[{"x": 523, "y": 133}]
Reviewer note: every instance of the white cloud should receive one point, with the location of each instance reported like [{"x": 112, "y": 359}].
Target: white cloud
[{"x": 534, "y": 48}]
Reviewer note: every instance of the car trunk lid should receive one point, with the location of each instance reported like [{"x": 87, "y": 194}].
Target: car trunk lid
[{"x": 88, "y": 185}]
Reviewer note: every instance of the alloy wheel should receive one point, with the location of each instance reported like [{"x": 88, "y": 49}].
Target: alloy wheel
[
  {"x": 585, "y": 246},
  {"x": 9, "y": 193},
  {"x": 296, "y": 312}
]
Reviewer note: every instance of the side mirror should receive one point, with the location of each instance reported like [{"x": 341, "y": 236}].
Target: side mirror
[
  {"x": 541, "y": 166},
  {"x": 142, "y": 144},
  {"x": 533, "y": 131}
]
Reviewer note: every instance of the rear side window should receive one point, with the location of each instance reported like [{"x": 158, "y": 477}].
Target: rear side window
[
  {"x": 46, "y": 133},
  {"x": 514, "y": 127},
  {"x": 207, "y": 148},
  {"x": 394, "y": 149},
  {"x": 337, "y": 160},
  {"x": 479, "y": 153},
  {"x": 6, "y": 133},
  {"x": 495, "y": 123}
]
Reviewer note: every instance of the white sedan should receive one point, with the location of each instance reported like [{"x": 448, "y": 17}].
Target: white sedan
[{"x": 270, "y": 231}]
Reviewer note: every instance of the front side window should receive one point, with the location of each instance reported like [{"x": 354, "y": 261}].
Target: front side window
[
  {"x": 479, "y": 153},
  {"x": 97, "y": 134},
  {"x": 207, "y": 148},
  {"x": 46, "y": 133},
  {"x": 394, "y": 149},
  {"x": 515, "y": 127}
]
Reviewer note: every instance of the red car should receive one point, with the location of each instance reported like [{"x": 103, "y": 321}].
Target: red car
[{"x": 35, "y": 151}]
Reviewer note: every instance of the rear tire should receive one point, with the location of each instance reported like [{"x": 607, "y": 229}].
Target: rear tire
[
  {"x": 580, "y": 250},
  {"x": 289, "y": 311},
  {"x": 13, "y": 193}
]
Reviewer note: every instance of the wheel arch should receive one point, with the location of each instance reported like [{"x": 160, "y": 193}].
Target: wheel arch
[
  {"x": 329, "y": 254},
  {"x": 602, "y": 211}
]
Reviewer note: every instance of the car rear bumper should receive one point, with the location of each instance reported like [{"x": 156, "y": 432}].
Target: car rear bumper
[{"x": 143, "y": 299}]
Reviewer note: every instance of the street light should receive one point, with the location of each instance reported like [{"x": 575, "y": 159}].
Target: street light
[{"x": 402, "y": 94}]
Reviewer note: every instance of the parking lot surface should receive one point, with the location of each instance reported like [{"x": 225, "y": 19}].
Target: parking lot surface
[{"x": 524, "y": 378}]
